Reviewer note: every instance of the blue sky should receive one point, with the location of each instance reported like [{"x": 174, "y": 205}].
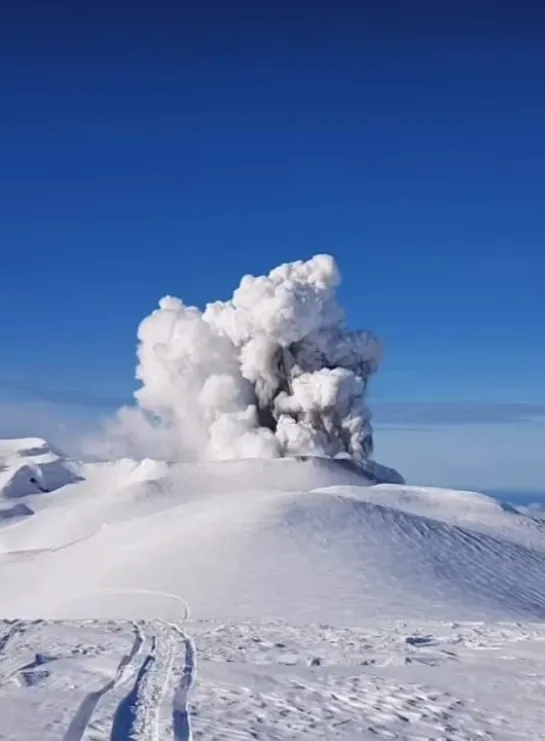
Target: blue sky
[{"x": 170, "y": 151}]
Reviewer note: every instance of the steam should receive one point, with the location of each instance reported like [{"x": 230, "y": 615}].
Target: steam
[{"x": 272, "y": 372}]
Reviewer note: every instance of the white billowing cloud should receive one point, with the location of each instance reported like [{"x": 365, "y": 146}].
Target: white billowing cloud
[{"x": 272, "y": 372}]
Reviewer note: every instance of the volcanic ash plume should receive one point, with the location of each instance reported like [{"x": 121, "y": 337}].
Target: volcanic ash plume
[{"x": 272, "y": 372}]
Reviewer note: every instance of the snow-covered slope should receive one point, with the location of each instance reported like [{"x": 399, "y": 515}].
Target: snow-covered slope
[
  {"x": 297, "y": 540},
  {"x": 274, "y": 599}
]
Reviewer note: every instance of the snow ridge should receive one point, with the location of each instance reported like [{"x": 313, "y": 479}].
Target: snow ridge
[{"x": 260, "y": 539}]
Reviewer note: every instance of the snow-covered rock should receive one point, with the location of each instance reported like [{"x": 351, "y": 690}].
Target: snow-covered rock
[{"x": 31, "y": 466}]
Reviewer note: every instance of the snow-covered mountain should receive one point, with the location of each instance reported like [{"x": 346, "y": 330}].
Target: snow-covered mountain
[
  {"x": 274, "y": 599},
  {"x": 297, "y": 540}
]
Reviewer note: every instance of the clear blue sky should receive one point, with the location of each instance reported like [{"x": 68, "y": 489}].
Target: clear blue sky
[{"x": 164, "y": 150}]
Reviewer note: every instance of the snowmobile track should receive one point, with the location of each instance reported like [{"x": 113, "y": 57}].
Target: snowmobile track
[
  {"x": 180, "y": 713},
  {"x": 81, "y": 719},
  {"x": 125, "y": 716}
]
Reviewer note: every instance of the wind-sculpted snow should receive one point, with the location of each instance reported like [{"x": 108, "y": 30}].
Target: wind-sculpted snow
[
  {"x": 297, "y": 540},
  {"x": 406, "y": 680},
  {"x": 272, "y": 372},
  {"x": 266, "y": 598},
  {"x": 30, "y": 466}
]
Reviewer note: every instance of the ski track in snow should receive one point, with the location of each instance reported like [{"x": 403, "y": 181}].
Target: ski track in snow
[
  {"x": 277, "y": 682},
  {"x": 125, "y": 717},
  {"x": 157, "y": 705},
  {"x": 76, "y": 729},
  {"x": 180, "y": 713}
]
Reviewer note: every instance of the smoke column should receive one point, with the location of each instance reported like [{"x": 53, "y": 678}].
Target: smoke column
[{"x": 273, "y": 372}]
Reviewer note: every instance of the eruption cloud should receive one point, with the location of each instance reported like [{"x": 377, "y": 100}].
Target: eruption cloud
[{"x": 272, "y": 372}]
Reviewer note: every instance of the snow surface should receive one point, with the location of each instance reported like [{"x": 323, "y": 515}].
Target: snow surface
[
  {"x": 274, "y": 599},
  {"x": 116, "y": 681}
]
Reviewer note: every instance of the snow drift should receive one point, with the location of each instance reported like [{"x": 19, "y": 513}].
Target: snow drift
[
  {"x": 272, "y": 372},
  {"x": 301, "y": 540}
]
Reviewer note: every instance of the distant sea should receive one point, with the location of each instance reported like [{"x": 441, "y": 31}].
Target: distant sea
[{"x": 517, "y": 498}]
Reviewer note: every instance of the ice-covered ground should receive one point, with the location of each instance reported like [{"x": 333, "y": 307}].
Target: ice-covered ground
[
  {"x": 116, "y": 681},
  {"x": 272, "y": 599}
]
